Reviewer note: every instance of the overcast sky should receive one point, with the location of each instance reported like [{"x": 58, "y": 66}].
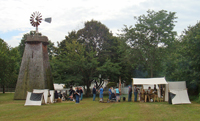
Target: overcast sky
[{"x": 68, "y": 15}]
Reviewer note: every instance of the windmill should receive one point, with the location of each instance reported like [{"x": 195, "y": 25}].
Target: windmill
[
  {"x": 35, "y": 70},
  {"x": 36, "y": 19}
]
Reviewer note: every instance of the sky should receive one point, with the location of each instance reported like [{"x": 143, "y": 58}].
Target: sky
[{"x": 68, "y": 15}]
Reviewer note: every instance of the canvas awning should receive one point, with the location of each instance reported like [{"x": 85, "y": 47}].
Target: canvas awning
[
  {"x": 58, "y": 86},
  {"x": 149, "y": 81}
]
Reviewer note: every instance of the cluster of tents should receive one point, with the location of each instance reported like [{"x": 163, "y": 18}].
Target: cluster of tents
[
  {"x": 39, "y": 97},
  {"x": 174, "y": 92}
]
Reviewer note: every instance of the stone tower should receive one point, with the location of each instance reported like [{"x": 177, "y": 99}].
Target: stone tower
[{"x": 35, "y": 70}]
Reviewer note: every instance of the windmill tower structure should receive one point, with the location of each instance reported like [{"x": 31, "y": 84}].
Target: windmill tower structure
[{"x": 35, "y": 70}]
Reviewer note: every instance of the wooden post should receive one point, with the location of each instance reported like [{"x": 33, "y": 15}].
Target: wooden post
[{"x": 120, "y": 85}]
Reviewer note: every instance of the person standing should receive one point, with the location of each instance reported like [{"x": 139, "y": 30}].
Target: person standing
[
  {"x": 81, "y": 92},
  {"x": 55, "y": 96},
  {"x": 77, "y": 94},
  {"x": 70, "y": 91},
  {"x": 129, "y": 93},
  {"x": 94, "y": 91},
  {"x": 117, "y": 94},
  {"x": 110, "y": 92},
  {"x": 59, "y": 94},
  {"x": 101, "y": 93},
  {"x": 135, "y": 93}
]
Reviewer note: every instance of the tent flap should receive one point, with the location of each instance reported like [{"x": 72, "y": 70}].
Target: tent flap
[
  {"x": 36, "y": 96},
  {"x": 34, "y": 102},
  {"x": 45, "y": 91},
  {"x": 52, "y": 96},
  {"x": 181, "y": 97},
  {"x": 179, "y": 89}
]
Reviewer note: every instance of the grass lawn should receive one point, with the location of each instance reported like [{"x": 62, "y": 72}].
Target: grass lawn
[{"x": 89, "y": 110}]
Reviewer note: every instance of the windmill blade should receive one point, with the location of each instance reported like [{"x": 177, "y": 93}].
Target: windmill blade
[{"x": 48, "y": 20}]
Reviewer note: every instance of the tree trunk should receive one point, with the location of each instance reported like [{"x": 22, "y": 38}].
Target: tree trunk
[
  {"x": 88, "y": 91},
  {"x": 100, "y": 84},
  {"x": 3, "y": 89},
  {"x": 97, "y": 86},
  {"x": 120, "y": 84}
]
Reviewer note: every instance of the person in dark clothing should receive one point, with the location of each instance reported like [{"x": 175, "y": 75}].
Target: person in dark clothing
[
  {"x": 81, "y": 93},
  {"x": 60, "y": 95},
  {"x": 135, "y": 93},
  {"x": 77, "y": 94},
  {"x": 71, "y": 94},
  {"x": 129, "y": 93},
  {"x": 154, "y": 90},
  {"x": 94, "y": 91},
  {"x": 70, "y": 91},
  {"x": 161, "y": 90},
  {"x": 56, "y": 95}
]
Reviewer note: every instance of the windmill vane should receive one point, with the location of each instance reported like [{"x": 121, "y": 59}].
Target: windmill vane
[{"x": 36, "y": 19}]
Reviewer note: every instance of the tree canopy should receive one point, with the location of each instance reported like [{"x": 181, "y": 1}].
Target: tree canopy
[
  {"x": 152, "y": 34},
  {"x": 183, "y": 63},
  {"x": 9, "y": 58},
  {"x": 86, "y": 54}
]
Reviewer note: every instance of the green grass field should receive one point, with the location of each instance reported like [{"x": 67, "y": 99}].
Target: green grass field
[{"x": 89, "y": 110}]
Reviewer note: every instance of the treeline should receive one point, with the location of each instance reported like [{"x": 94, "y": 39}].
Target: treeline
[
  {"x": 149, "y": 48},
  {"x": 9, "y": 65}
]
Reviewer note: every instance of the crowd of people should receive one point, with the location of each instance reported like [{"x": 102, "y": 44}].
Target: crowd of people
[
  {"x": 76, "y": 94},
  {"x": 149, "y": 95},
  {"x": 111, "y": 91}
]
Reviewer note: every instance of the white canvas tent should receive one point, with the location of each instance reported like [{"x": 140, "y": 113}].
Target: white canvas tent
[
  {"x": 46, "y": 93},
  {"x": 180, "y": 91},
  {"x": 58, "y": 86},
  {"x": 52, "y": 96},
  {"x": 34, "y": 99},
  {"x": 150, "y": 82}
]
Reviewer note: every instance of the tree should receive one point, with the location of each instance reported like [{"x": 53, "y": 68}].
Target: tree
[
  {"x": 94, "y": 35},
  {"x": 118, "y": 54},
  {"x": 9, "y": 64},
  {"x": 184, "y": 61},
  {"x": 97, "y": 37},
  {"x": 51, "y": 49},
  {"x": 150, "y": 37},
  {"x": 84, "y": 55},
  {"x": 73, "y": 64}
]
